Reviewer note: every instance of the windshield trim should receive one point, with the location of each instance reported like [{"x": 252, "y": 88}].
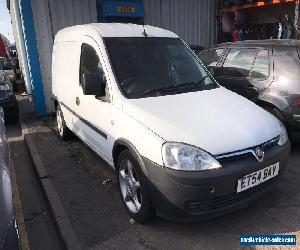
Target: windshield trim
[{"x": 104, "y": 40}]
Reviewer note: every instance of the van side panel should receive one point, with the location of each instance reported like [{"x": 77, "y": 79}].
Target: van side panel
[{"x": 65, "y": 73}]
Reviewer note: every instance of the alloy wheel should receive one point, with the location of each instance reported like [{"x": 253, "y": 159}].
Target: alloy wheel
[
  {"x": 130, "y": 186},
  {"x": 59, "y": 122}
]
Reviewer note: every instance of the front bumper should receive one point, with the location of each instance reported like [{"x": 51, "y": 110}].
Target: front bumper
[{"x": 187, "y": 196}]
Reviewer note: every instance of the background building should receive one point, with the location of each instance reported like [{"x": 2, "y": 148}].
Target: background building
[
  {"x": 36, "y": 22},
  {"x": 198, "y": 22}
]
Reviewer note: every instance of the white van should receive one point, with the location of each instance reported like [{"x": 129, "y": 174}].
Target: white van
[{"x": 182, "y": 146}]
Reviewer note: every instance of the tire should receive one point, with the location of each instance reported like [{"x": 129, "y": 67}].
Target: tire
[
  {"x": 134, "y": 188},
  {"x": 64, "y": 133},
  {"x": 13, "y": 117}
]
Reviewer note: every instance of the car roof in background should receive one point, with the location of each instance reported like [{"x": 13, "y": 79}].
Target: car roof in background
[
  {"x": 112, "y": 30},
  {"x": 196, "y": 47},
  {"x": 260, "y": 43}
]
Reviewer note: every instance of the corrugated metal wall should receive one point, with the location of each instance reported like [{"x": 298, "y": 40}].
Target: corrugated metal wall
[
  {"x": 71, "y": 12},
  {"x": 193, "y": 20},
  {"x": 16, "y": 34},
  {"x": 50, "y": 16}
]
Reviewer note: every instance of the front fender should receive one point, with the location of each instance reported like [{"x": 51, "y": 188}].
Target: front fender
[{"x": 276, "y": 100}]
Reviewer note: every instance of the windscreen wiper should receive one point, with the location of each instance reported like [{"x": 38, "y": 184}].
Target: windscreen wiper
[
  {"x": 174, "y": 87},
  {"x": 202, "y": 79},
  {"x": 160, "y": 89}
]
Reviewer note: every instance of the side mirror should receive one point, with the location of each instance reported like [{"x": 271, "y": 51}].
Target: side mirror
[{"x": 93, "y": 84}]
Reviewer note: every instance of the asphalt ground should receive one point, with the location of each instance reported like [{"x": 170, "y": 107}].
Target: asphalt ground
[
  {"x": 87, "y": 188},
  {"x": 37, "y": 227}
]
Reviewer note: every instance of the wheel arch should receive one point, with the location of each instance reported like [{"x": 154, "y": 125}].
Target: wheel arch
[
  {"x": 123, "y": 144},
  {"x": 265, "y": 104}
]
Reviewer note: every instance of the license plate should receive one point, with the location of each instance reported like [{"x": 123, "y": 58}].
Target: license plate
[
  {"x": 126, "y": 9},
  {"x": 257, "y": 178}
]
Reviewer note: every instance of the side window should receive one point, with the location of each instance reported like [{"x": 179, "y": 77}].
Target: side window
[
  {"x": 89, "y": 61},
  {"x": 261, "y": 65},
  {"x": 210, "y": 58},
  {"x": 183, "y": 68},
  {"x": 238, "y": 62}
]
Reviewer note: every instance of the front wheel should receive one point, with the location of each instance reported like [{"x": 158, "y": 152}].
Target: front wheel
[{"x": 134, "y": 188}]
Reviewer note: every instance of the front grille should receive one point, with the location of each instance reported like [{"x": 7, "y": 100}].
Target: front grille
[
  {"x": 247, "y": 153},
  {"x": 201, "y": 207}
]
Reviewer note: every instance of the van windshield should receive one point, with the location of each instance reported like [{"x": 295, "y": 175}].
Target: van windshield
[{"x": 156, "y": 66}]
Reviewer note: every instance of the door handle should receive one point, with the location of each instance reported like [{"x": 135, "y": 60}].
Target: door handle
[{"x": 77, "y": 101}]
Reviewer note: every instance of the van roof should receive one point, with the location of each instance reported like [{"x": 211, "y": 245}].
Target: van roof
[{"x": 114, "y": 30}]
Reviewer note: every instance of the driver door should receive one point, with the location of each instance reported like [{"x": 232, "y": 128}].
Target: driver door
[{"x": 92, "y": 121}]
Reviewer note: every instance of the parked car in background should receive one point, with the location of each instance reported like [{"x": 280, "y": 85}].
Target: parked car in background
[
  {"x": 182, "y": 146},
  {"x": 196, "y": 48},
  {"x": 266, "y": 72},
  {"x": 7, "y": 67},
  {"x": 9, "y": 237},
  {"x": 8, "y": 100}
]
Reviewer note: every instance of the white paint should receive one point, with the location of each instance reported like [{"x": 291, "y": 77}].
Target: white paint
[
  {"x": 218, "y": 121},
  {"x": 114, "y": 30}
]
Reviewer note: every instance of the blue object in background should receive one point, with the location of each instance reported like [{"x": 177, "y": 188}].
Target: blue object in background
[
  {"x": 32, "y": 56},
  {"x": 120, "y": 11}
]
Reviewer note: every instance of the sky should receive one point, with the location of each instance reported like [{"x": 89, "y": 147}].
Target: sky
[{"x": 5, "y": 24}]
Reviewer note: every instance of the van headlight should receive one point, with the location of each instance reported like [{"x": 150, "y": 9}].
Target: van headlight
[
  {"x": 181, "y": 156},
  {"x": 283, "y": 135}
]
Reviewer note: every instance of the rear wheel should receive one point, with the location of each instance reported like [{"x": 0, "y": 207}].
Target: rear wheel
[
  {"x": 134, "y": 188},
  {"x": 64, "y": 133}
]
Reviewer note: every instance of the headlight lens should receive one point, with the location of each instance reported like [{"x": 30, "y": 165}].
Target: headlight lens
[
  {"x": 181, "y": 156},
  {"x": 283, "y": 136},
  {"x": 5, "y": 87}
]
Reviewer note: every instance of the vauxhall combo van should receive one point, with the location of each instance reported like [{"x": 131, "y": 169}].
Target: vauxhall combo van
[{"x": 182, "y": 146}]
